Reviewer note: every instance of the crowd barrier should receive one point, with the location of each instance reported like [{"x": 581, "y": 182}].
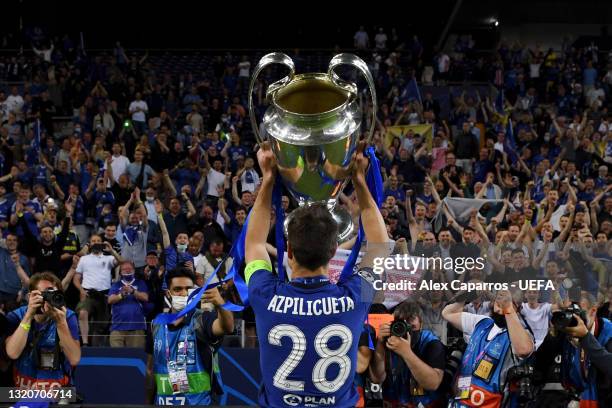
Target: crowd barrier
[{"x": 117, "y": 376}]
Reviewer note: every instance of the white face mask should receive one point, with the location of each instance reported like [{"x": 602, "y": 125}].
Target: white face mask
[
  {"x": 150, "y": 199},
  {"x": 181, "y": 247},
  {"x": 179, "y": 302}
]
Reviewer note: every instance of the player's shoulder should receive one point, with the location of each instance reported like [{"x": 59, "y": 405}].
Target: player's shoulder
[
  {"x": 360, "y": 276},
  {"x": 259, "y": 272}
]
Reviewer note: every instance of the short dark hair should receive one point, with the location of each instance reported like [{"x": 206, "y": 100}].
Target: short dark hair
[
  {"x": 378, "y": 308},
  {"x": 45, "y": 276},
  {"x": 179, "y": 272},
  {"x": 518, "y": 251},
  {"x": 313, "y": 235},
  {"x": 216, "y": 241},
  {"x": 407, "y": 310}
]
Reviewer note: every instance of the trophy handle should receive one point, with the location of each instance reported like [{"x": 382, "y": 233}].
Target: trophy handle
[
  {"x": 272, "y": 58},
  {"x": 356, "y": 62}
]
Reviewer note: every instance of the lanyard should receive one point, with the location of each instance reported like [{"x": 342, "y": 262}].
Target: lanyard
[{"x": 168, "y": 343}]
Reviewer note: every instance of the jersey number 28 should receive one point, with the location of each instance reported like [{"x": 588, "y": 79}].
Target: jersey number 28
[{"x": 328, "y": 357}]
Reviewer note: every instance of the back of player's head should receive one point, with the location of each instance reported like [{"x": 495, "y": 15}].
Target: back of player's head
[{"x": 312, "y": 235}]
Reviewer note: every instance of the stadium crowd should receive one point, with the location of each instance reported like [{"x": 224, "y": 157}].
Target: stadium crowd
[{"x": 159, "y": 171}]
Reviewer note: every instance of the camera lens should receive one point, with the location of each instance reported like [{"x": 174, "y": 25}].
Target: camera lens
[{"x": 399, "y": 328}]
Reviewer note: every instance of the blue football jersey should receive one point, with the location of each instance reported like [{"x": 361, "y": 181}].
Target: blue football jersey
[{"x": 308, "y": 338}]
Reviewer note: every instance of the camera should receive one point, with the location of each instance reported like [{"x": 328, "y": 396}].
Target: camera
[
  {"x": 565, "y": 318},
  {"x": 54, "y": 297},
  {"x": 454, "y": 354},
  {"x": 400, "y": 328},
  {"x": 97, "y": 247},
  {"x": 522, "y": 376}
]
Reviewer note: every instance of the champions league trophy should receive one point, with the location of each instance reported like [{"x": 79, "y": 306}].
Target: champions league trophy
[{"x": 313, "y": 124}]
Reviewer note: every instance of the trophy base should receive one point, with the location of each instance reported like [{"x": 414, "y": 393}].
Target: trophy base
[{"x": 346, "y": 227}]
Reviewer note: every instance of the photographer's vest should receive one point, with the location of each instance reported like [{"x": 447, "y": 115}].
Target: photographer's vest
[
  {"x": 577, "y": 371},
  {"x": 173, "y": 343},
  {"x": 42, "y": 364},
  {"x": 404, "y": 390},
  {"x": 482, "y": 364}
]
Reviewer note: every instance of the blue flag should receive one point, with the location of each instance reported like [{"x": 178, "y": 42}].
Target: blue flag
[
  {"x": 510, "y": 143},
  {"x": 375, "y": 185},
  {"x": 412, "y": 90}
]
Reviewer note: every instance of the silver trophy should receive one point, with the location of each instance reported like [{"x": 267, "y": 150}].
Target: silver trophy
[{"x": 313, "y": 124}]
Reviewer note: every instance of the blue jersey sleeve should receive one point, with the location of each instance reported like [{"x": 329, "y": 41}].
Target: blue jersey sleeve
[
  {"x": 73, "y": 325},
  {"x": 260, "y": 279}
]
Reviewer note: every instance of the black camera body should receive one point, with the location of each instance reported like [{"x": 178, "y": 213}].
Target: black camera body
[
  {"x": 400, "y": 328},
  {"x": 54, "y": 297},
  {"x": 454, "y": 354},
  {"x": 522, "y": 376},
  {"x": 98, "y": 247},
  {"x": 565, "y": 318}
]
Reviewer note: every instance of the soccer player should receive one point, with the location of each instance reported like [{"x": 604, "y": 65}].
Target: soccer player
[{"x": 309, "y": 328}]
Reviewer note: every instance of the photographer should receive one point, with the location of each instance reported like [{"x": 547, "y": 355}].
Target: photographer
[
  {"x": 412, "y": 372},
  {"x": 497, "y": 345},
  {"x": 44, "y": 341},
  {"x": 599, "y": 355},
  {"x": 586, "y": 330}
]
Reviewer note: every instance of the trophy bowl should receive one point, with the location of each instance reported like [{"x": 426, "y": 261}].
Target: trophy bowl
[{"x": 313, "y": 124}]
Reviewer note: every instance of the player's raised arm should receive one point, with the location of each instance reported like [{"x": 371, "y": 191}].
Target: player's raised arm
[
  {"x": 373, "y": 223},
  {"x": 259, "y": 221}
]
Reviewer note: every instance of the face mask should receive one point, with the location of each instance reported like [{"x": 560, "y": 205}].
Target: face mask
[
  {"x": 179, "y": 302},
  {"x": 181, "y": 247},
  {"x": 500, "y": 320},
  {"x": 150, "y": 199},
  {"x": 127, "y": 278}
]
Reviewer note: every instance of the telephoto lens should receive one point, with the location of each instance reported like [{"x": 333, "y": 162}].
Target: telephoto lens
[
  {"x": 54, "y": 297},
  {"x": 454, "y": 353},
  {"x": 400, "y": 328}
]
